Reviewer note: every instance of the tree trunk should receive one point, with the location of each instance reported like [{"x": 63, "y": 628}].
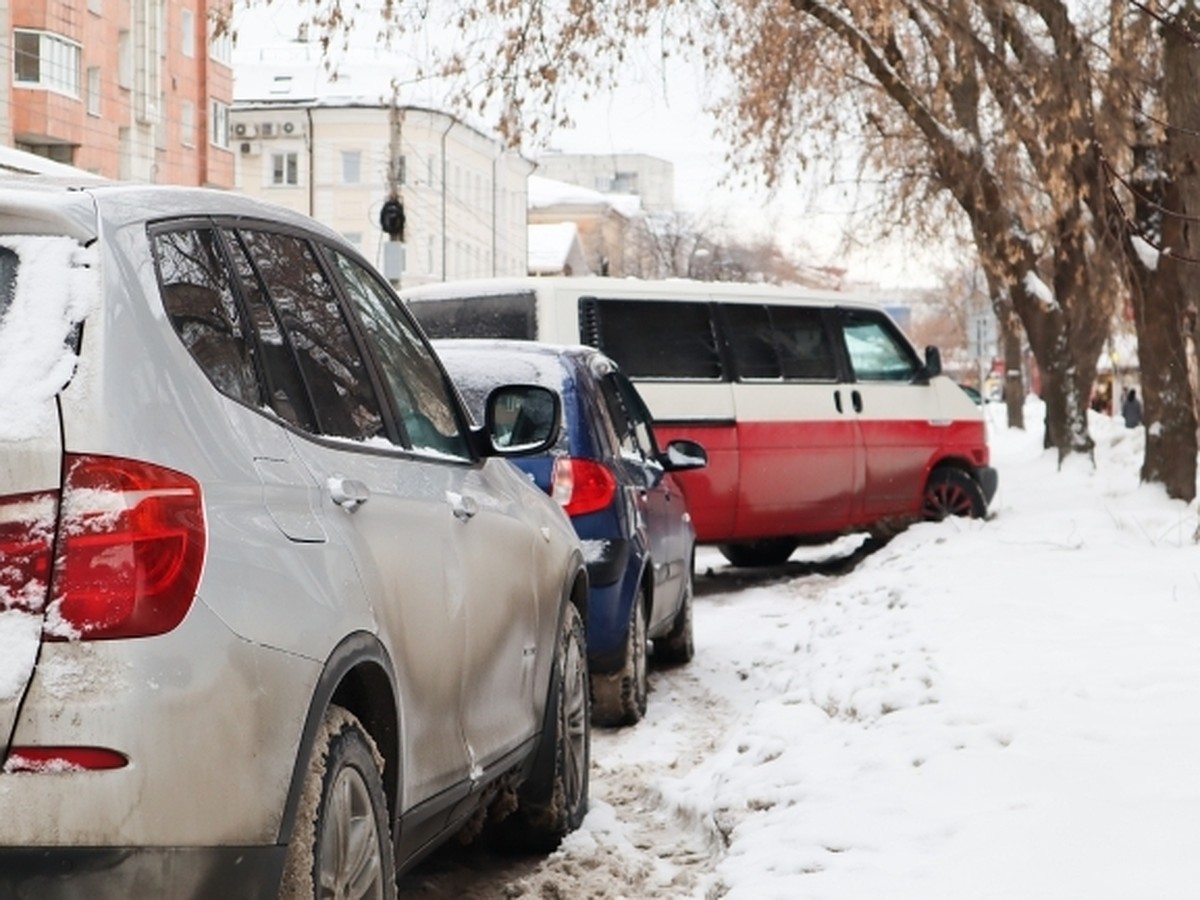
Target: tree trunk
[{"x": 1162, "y": 297}]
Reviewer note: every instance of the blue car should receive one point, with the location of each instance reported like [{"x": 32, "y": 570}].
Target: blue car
[{"x": 615, "y": 484}]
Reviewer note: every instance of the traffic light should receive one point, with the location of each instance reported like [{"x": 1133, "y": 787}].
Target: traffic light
[{"x": 391, "y": 218}]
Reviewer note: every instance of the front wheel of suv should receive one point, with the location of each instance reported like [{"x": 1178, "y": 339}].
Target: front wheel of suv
[{"x": 341, "y": 844}]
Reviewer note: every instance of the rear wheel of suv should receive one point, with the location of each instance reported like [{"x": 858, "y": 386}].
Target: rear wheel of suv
[
  {"x": 553, "y": 800},
  {"x": 341, "y": 844},
  {"x": 620, "y": 697}
]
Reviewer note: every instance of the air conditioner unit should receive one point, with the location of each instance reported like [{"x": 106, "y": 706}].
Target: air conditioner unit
[
  {"x": 267, "y": 129},
  {"x": 251, "y": 148},
  {"x": 245, "y": 130}
]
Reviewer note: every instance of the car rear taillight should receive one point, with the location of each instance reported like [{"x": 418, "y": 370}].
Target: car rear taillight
[
  {"x": 26, "y": 549},
  {"x": 62, "y": 759},
  {"x": 582, "y": 486},
  {"x": 131, "y": 548}
]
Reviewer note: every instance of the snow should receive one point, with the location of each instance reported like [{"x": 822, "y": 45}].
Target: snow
[
  {"x": 1039, "y": 289},
  {"x": 547, "y": 193},
  {"x": 56, "y": 284},
  {"x": 984, "y": 709},
  {"x": 1147, "y": 254}
]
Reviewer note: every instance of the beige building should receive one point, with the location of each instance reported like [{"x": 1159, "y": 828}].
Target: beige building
[{"x": 339, "y": 149}]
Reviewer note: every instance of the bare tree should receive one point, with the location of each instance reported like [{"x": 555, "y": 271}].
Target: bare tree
[{"x": 1003, "y": 119}]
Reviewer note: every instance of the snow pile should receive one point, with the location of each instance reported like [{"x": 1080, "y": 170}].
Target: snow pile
[{"x": 996, "y": 709}]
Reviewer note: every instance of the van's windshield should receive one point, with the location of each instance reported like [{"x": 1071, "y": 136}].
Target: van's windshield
[{"x": 510, "y": 316}]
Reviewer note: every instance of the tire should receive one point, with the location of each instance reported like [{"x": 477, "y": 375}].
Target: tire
[
  {"x": 619, "y": 698},
  {"x": 677, "y": 646},
  {"x": 952, "y": 492},
  {"x": 769, "y": 552},
  {"x": 341, "y": 844},
  {"x": 554, "y": 798}
]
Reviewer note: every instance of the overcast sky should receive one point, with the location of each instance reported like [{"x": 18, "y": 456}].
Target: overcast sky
[{"x": 663, "y": 114}]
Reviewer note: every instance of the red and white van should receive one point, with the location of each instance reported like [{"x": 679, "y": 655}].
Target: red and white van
[{"x": 818, "y": 415}]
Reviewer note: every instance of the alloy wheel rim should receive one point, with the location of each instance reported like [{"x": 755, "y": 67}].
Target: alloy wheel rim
[{"x": 350, "y": 865}]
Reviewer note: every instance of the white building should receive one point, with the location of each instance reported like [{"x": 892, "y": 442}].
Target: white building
[
  {"x": 648, "y": 177},
  {"x": 339, "y": 157}
]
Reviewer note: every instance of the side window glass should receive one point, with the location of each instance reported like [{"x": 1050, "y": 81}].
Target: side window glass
[
  {"x": 629, "y": 415},
  {"x": 285, "y": 390},
  {"x": 653, "y": 338},
  {"x": 334, "y": 371},
  {"x": 876, "y": 353},
  {"x": 805, "y": 351},
  {"x": 752, "y": 341},
  {"x": 199, "y": 301},
  {"x": 423, "y": 400},
  {"x": 484, "y": 316}
]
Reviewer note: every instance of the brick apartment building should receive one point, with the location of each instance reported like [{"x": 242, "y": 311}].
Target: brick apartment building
[{"x": 129, "y": 89}]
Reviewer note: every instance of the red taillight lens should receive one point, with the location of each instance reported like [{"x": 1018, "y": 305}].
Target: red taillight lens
[
  {"x": 63, "y": 759},
  {"x": 26, "y": 542},
  {"x": 131, "y": 548},
  {"x": 582, "y": 486}
]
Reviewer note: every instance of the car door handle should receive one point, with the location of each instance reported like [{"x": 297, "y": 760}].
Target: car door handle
[
  {"x": 837, "y": 400},
  {"x": 464, "y": 508},
  {"x": 348, "y": 493},
  {"x": 856, "y": 399}
]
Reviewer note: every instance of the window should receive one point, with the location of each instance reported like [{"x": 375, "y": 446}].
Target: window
[
  {"x": 876, "y": 352},
  {"x": 629, "y": 416},
  {"x": 93, "y": 90},
  {"x": 45, "y": 60},
  {"x": 124, "y": 59},
  {"x": 351, "y": 166},
  {"x": 200, "y": 302},
  {"x": 653, "y": 338},
  {"x": 494, "y": 315},
  {"x": 421, "y": 395},
  {"x": 187, "y": 33},
  {"x": 218, "y": 124},
  {"x": 284, "y": 388},
  {"x": 187, "y": 123},
  {"x": 220, "y": 46},
  {"x": 96, "y": 7},
  {"x": 285, "y": 169},
  {"x": 333, "y": 368},
  {"x": 779, "y": 342}
]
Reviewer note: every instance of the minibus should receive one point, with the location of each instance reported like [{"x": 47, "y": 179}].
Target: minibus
[{"x": 818, "y": 415}]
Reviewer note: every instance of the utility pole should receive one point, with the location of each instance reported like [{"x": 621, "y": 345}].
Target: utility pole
[{"x": 391, "y": 215}]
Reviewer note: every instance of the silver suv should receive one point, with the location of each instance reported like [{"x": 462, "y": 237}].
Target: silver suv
[{"x": 274, "y": 618}]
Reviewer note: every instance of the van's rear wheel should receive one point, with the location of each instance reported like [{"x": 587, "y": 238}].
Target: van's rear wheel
[
  {"x": 769, "y": 552},
  {"x": 952, "y": 492}
]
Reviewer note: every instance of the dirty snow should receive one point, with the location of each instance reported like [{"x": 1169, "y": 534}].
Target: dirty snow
[{"x": 996, "y": 709}]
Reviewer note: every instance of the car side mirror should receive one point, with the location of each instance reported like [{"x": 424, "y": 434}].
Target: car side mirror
[
  {"x": 521, "y": 419},
  {"x": 933, "y": 362},
  {"x": 683, "y": 454}
]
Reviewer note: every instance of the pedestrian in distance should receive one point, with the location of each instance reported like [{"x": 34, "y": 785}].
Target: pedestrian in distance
[{"x": 1131, "y": 409}]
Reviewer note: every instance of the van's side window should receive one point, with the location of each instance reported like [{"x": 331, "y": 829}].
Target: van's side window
[
  {"x": 876, "y": 352},
  {"x": 199, "y": 301},
  {"x": 333, "y": 368},
  {"x": 779, "y": 342},
  {"x": 653, "y": 339},
  {"x": 417, "y": 386},
  {"x": 485, "y": 316}
]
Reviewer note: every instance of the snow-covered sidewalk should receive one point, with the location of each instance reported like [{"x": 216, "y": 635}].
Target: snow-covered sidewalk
[{"x": 1000, "y": 709}]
